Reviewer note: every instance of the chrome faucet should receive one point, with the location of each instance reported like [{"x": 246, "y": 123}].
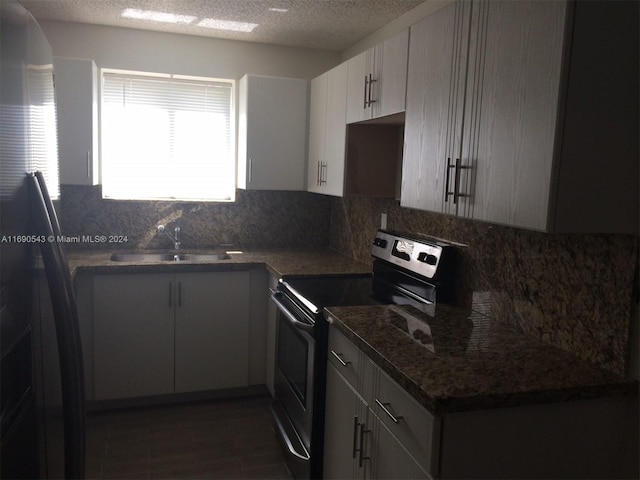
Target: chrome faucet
[{"x": 175, "y": 238}]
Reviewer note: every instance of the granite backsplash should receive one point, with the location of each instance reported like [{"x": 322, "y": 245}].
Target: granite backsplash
[
  {"x": 573, "y": 291},
  {"x": 576, "y": 292},
  {"x": 257, "y": 219}
]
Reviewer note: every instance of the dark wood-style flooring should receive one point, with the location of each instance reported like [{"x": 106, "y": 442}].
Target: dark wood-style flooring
[{"x": 231, "y": 438}]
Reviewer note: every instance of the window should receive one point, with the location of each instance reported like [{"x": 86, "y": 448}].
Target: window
[{"x": 166, "y": 137}]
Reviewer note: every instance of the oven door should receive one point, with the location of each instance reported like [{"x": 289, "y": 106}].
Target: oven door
[{"x": 294, "y": 382}]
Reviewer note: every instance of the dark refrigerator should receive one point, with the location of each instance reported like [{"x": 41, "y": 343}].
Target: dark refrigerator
[{"x": 42, "y": 422}]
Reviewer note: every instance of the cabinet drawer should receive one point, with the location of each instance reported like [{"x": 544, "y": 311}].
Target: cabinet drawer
[
  {"x": 407, "y": 420},
  {"x": 345, "y": 356}
]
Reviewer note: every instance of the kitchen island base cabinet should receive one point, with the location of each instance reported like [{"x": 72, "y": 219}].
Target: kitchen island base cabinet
[
  {"x": 158, "y": 334},
  {"x": 595, "y": 438},
  {"x": 581, "y": 438},
  {"x": 345, "y": 411},
  {"x": 358, "y": 442}
]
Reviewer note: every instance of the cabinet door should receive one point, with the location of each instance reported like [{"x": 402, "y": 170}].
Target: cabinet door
[
  {"x": 389, "y": 459},
  {"x": 336, "y": 130},
  {"x": 133, "y": 335},
  {"x": 77, "y": 111},
  {"x": 512, "y": 98},
  {"x": 433, "y": 119},
  {"x": 272, "y": 137},
  {"x": 359, "y": 68},
  {"x": 317, "y": 132},
  {"x": 211, "y": 331},
  {"x": 345, "y": 412},
  {"x": 389, "y": 90}
]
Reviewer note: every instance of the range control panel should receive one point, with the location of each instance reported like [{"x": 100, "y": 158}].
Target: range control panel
[{"x": 416, "y": 255}]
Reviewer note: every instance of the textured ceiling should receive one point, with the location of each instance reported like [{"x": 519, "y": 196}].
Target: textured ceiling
[{"x": 323, "y": 24}]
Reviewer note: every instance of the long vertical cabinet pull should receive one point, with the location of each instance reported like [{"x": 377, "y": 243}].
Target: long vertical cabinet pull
[
  {"x": 456, "y": 183},
  {"x": 361, "y": 457},
  {"x": 358, "y": 447},
  {"x": 318, "y": 182},
  {"x": 355, "y": 435},
  {"x": 323, "y": 173},
  {"x": 366, "y": 85},
  {"x": 457, "y": 168},
  {"x": 371, "y": 82},
  {"x": 448, "y": 192}
]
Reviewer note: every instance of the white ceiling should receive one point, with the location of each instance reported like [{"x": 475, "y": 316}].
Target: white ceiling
[{"x": 322, "y": 24}]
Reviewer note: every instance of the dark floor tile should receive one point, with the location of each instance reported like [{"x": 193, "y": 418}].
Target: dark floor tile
[{"x": 231, "y": 438}]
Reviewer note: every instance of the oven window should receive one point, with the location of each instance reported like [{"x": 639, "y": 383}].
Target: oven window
[{"x": 293, "y": 358}]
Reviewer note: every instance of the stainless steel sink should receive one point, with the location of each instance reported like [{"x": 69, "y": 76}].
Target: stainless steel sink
[
  {"x": 203, "y": 257},
  {"x": 169, "y": 257}
]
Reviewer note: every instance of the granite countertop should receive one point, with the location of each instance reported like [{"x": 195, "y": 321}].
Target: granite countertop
[
  {"x": 456, "y": 359},
  {"x": 278, "y": 262},
  {"x": 448, "y": 358}
]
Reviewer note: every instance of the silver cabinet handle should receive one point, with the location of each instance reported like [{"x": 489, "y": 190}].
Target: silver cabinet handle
[
  {"x": 355, "y": 437},
  {"x": 371, "y": 82},
  {"x": 384, "y": 406},
  {"x": 361, "y": 457},
  {"x": 88, "y": 164},
  {"x": 339, "y": 358},
  {"x": 457, "y": 168},
  {"x": 456, "y": 183},
  {"x": 318, "y": 175},
  {"x": 366, "y": 83},
  {"x": 250, "y": 169},
  {"x": 359, "y": 448},
  {"x": 448, "y": 192}
]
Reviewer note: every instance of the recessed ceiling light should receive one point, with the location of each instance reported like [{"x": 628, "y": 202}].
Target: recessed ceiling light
[
  {"x": 157, "y": 16},
  {"x": 279, "y": 10},
  {"x": 227, "y": 25}
]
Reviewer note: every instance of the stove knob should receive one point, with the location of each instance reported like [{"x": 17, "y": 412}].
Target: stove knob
[
  {"x": 427, "y": 258},
  {"x": 380, "y": 242}
]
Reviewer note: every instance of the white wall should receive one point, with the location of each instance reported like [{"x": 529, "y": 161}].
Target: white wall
[{"x": 129, "y": 49}]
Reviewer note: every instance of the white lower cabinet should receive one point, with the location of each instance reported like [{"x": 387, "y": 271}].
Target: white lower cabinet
[
  {"x": 157, "y": 334},
  {"x": 212, "y": 331},
  {"x": 375, "y": 430},
  {"x": 359, "y": 443},
  {"x": 345, "y": 422}
]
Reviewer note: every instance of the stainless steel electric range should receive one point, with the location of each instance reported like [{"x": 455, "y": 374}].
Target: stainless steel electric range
[{"x": 406, "y": 269}]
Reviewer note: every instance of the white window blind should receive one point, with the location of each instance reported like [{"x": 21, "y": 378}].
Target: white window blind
[
  {"x": 43, "y": 132},
  {"x": 167, "y": 138}
]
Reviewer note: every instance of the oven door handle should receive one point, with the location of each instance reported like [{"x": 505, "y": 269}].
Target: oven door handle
[
  {"x": 290, "y": 317},
  {"x": 282, "y": 431}
]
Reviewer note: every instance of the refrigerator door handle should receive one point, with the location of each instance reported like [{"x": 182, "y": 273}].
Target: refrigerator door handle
[{"x": 66, "y": 325}]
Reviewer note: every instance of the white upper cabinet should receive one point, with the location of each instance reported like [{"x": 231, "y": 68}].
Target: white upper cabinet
[
  {"x": 533, "y": 130},
  {"x": 377, "y": 80},
  {"x": 272, "y": 136},
  {"x": 433, "y": 118},
  {"x": 327, "y": 132},
  {"x": 76, "y": 88},
  {"x": 513, "y": 97}
]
